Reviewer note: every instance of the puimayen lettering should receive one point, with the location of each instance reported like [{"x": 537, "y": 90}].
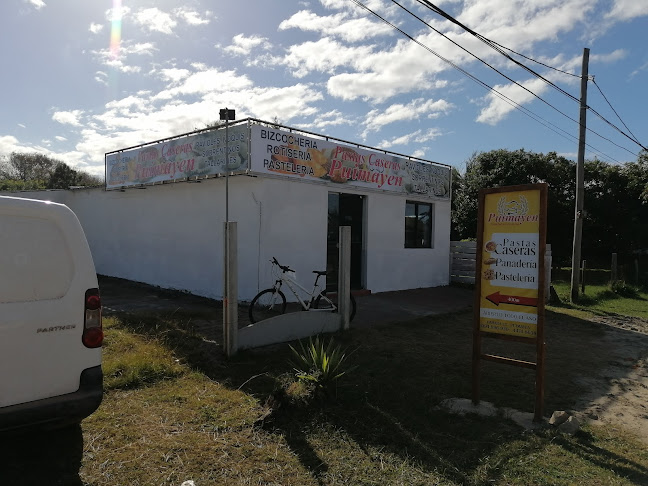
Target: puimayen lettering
[
  {"x": 363, "y": 175},
  {"x": 289, "y": 139},
  {"x": 513, "y": 218}
]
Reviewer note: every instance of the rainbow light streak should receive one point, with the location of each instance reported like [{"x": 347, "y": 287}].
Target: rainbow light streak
[{"x": 115, "y": 31}]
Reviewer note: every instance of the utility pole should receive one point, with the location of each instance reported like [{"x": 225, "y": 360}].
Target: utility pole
[{"x": 580, "y": 182}]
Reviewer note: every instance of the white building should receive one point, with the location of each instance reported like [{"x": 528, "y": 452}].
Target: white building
[{"x": 160, "y": 218}]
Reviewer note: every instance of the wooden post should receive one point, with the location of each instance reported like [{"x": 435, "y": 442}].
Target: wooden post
[
  {"x": 614, "y": 270},
  {"x": 583, "y": 276},
  {"x": 548, "y": 262}
]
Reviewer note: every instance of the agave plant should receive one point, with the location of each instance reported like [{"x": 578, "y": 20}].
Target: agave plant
[{"x": 319, "y": 363}]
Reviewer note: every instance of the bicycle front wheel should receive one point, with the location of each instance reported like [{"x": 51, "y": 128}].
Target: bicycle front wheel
[
  {"x": 322, "y": 303},
  {"x": 267, "y": 303}
]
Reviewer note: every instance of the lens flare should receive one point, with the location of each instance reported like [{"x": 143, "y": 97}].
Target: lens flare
[{"x": 115, "y": 31}]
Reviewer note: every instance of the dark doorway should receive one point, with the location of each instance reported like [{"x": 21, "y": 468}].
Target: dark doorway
[{"x": 344, "y": 210}]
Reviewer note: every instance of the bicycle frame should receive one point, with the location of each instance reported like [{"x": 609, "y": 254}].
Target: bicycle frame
[{"x": 307, "y": 306}]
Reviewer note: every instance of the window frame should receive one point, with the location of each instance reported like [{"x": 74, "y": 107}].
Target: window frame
[{"x": 430, "y": 226}]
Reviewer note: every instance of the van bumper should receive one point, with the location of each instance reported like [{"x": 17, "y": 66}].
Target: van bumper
[{"x": 57, "y": 411}]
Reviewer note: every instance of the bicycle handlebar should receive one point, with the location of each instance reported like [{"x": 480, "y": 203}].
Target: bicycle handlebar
[{"x": 283, "y": 267}]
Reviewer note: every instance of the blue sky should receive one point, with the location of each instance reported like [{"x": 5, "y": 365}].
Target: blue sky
[{"x": 327, "y": 66}]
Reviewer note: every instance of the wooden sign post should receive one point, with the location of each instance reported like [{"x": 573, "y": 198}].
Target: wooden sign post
[{"x": 510, "y": 274}]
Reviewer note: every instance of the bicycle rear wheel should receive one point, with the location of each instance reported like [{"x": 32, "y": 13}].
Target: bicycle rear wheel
[
  {"x": 267, "y": 303},
  {"x": 321, "y": 303}
]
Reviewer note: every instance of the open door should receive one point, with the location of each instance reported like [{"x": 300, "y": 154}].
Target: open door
[{"x": 345, "y": 210}]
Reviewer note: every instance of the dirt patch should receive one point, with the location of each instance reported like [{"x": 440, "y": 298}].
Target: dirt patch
[{"x": 619, "y": 391}]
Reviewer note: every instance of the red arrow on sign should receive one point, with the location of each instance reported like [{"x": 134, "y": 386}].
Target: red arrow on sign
[{"x": 498, "y": 299}]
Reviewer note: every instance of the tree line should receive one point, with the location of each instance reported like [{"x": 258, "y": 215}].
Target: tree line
[
  {"x": 33, "y": 171},
  {"x": 616, "y": 200}
]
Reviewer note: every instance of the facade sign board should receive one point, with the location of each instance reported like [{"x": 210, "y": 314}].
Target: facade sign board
[
  {"x": 197, "y": 155},
  {"x": 510, "y": 291},
  {"x": 510, "y": 263},
  {"x": 295, "y": 155}
]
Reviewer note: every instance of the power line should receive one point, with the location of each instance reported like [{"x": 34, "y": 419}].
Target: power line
[
  {"x": 488, "y": 42},
  {"x": 500, "y": 95},
  {"x": 499, "y": 48},
  {"x": 615, "y": 112},
  {"x": 493, "y": 45},
  {"x": 534, "y": 60}
]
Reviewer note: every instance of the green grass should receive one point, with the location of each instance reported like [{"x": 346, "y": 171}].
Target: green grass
[
  {"x": 175, "y": 409},
  {"x": 600, "y": 299}
]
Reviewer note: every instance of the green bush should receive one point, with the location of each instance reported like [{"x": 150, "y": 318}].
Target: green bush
[
  {"x": 319, "y": 364},
  {"x": 621, "y": 288}
]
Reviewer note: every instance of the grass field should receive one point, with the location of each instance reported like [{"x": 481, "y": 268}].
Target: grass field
[
  {"x": 599, "y": 298},
  {"x": 176, "y": 410}
]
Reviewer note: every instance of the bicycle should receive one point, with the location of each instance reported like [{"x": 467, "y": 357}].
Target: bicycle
[{"x": 272, "y": 301}]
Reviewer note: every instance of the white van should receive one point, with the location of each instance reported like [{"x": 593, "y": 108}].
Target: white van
[{"x": 50, "y": 317}]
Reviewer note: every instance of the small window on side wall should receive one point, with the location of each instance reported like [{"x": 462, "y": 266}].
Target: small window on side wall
[{"x": 418, "y": 224}]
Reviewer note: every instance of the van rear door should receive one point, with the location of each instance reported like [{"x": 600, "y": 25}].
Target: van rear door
[{"x": 45, "y": 270}]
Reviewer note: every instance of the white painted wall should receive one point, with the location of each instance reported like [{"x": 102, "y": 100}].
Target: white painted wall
[
  {"x": 293, "y": 229},
  {"x": 172, "y": 235},
  {"x": 391, "y": 266}
]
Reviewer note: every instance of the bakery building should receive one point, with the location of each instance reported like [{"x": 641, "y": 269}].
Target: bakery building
[{"x": 159, "y": 219}]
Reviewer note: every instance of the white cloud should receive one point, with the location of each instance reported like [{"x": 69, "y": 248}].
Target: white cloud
[
  {"x": 155, "y": 20},
  {"x": 101, "y": 77},
  {"x": 60, "y": 138},
  {"x": 125, "y": 104},
  {"x": 329, "y": 119},
  {"x": 243, "y": 46},
  {"x": 191, "y": 99},
  {"x": 192, "y": 17},
  {"x": 21, "y": 125},
  {"x": 95, "y": 28},
  {"x": 325, "y": 55},
  {"x": 38, "y": 4},
  {"x": 75, "y": 159},
  {"x": 376, "y": 119},
  {"x": 117, "y": 13},
  {"x": 174, "y": 74},
  {"x": 627, "y": 9},
  {"x": 118, "y": 60},
  {"x": 419, "y": 153},
  {"x": 522, "y": 22},
  {"x": 613, "y": 56},
  {"x": 418, "y": 136},
  {"x": 643, "y": 67},
  {"x": 286, "y": 103},
  {"x": 9, "y": 144},
  {"x": 68, "y": 117},
  {"x": 207, "y": 81},
  {"x": 339, "y": 25},
  {"x": 498, "y": 108}
]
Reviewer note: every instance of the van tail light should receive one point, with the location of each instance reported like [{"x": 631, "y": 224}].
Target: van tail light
[{"x": 92, "y": 330}]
